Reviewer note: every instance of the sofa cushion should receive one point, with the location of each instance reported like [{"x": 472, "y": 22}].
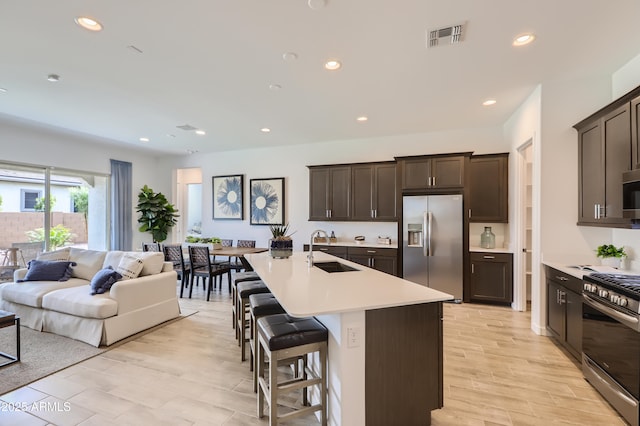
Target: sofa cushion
[
  {"x": 152, "y": 262},
  {"x": 30, "y": 293},
  {"x": 77, "y": 301},
  {"x": 89, "y": 262},
  {"x": 48, "y": 270},
  {"x": 129, "y": 266},
  {"x": 103, "y": 280},
  {"x": 62, "y": 254}
]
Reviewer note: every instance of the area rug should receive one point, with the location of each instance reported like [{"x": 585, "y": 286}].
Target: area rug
[{"x": 43, "y": 354}]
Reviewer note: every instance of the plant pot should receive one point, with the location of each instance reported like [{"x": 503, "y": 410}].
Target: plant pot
[
  {"x": 280, "y": 249},
  {"x": 614, "y": 262}
]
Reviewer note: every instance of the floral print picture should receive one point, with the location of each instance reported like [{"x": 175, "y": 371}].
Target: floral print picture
[
  {"x": 267, "y": 201},
  {"x": 227, "y": 197}
]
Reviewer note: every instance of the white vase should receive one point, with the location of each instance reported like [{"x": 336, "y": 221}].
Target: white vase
[{"x": 614, "y": 262}]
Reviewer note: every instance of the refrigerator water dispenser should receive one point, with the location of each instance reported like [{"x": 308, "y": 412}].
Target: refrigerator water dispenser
[{"x": 414, "y": 235}]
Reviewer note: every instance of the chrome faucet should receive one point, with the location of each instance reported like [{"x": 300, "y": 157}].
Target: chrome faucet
[{"x": 313, "y": 234}]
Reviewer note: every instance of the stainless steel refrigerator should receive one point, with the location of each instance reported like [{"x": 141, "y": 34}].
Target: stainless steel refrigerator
[{"x": 432, "y": 242}]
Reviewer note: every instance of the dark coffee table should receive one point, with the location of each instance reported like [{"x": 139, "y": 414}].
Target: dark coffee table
[{"x": 8, "y": 319}]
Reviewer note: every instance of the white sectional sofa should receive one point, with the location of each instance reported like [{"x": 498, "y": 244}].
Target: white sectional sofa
[{"x": 144, "y": 298}]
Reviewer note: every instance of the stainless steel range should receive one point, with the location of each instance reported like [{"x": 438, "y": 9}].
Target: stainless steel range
[{"x": 611, "y": 340}]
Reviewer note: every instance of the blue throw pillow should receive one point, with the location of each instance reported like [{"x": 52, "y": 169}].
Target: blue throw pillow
[
  {"x": 48, "y": 270},
  {"x": 103, "y": 280}
]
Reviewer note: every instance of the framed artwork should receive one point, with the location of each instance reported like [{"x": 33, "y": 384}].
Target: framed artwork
[
  {"x": 227, "y": 197},
  {"x": 267, "y": 201}
]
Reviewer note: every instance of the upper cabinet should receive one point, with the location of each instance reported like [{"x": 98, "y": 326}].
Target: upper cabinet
[
  {"x": 330, "y": 193},
  {"x": 604, "y": 147},
  {"x": 488, "y": 191},
  {"x": 373, "y": 192},
  {"x": 432, "y": 172}
]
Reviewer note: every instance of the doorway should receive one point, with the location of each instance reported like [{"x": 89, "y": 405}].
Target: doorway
[
  {"x": 189, "y": 195},
  {"x": 524, "y": 253}
]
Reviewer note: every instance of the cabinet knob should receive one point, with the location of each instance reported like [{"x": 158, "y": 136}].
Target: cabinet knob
[
  {"x": 562, "y": 278},
  {"x": 489, "y": 257}
]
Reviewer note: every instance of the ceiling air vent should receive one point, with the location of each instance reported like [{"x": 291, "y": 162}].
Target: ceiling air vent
[
  {"x": 444, "y": 36},
  {"x": 187, "y": 127}
]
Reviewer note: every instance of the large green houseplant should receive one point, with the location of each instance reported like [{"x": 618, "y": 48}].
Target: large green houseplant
[{"x": 157, "y": 214}]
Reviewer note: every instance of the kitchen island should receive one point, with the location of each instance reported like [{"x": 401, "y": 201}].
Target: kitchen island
[{"x": 385, "y": 337}]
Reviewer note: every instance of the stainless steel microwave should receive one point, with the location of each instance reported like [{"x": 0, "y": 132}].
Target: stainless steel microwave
[{"x": 631, "y": 194}]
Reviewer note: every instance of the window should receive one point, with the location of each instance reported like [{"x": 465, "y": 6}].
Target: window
[{"x": 28, "y": 199}]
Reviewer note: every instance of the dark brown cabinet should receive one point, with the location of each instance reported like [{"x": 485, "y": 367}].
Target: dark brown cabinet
[
  {"x": 338, "y": 251},
  {"x": 564, "y": 309},
  {"x": 491, "y": 278},
  {"x": 604, "y": 147},
  {"x": 381, "y": 259},
  {"x": 373, "y": 192},
  {"x": 432, "y": 172},
  {"x": 635, "y": 132},
  {"x": 488, "y": 191},
  {"x": 329, "y": 192}
]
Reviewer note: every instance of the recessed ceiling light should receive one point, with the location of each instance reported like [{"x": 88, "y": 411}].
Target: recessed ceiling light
[
  {"x": 201, "y": 132},
  {"x": 489, "y": 102},
  {"x": 523, "y": 39},
  {"x": 3, "y": 90},
  {"x": 362, "y": 118},
  {"x": 265, "y": 130},
  {"x": 332, "y": 65},
  {"x": 192, "y": 151},
  {"x": 53, "y": 78},
  {"x": 88, "y": 23},
  {"x": 317, "y": 4},
  {"x": 144, "y": 139},
  {"x": 169, "y": 135},
  {"x": 290, "y": 56},
  {"x": 275, "y": 87}
]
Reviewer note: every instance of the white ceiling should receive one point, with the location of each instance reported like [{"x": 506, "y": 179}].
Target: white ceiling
[{"x": 209, "y": 63}]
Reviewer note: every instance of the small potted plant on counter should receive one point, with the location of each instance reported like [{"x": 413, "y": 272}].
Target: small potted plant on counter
[
  {"x": 281, "y": 244},
  {"x": 611, "y": 255}
]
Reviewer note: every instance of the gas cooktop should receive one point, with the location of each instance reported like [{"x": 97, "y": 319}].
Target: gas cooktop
[{"x": 626, "y": 284}]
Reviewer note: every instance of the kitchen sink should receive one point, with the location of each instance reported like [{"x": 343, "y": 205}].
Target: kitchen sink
[{"x": 334, "y": 267}]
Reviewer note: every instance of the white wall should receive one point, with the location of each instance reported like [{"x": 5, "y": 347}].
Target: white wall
[
  {"x": 291, "y": 161},
  {"x": 28, "y": 143}
]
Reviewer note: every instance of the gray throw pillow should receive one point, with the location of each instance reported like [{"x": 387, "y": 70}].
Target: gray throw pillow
[
  {"x": 48, "y": 270},
  {"x": 103, "y": 280}
]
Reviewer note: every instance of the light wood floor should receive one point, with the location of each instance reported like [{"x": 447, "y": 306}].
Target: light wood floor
[{"x": 497, "y": 372}]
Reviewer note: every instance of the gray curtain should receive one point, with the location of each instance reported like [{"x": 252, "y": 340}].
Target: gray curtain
[{"x": 121, "y": 205}]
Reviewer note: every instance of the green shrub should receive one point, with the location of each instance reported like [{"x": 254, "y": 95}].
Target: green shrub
[{"x": 58, "y": 236}]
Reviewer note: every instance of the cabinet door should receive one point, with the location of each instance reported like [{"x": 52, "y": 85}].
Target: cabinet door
[
  {"x": 384, "y": 192},
  {"x": 416, "y": 173},
  {"x": 556, "y": 310},
  {"x": 447, "y": 172},
  {"x": 386, "y": 264},
  {"x": 574, "y": 323},
  {"x": 360, "y": 259},
  {"x": 318, "y": 193},
  {"x": 491, "y": 277},
  {"x": 362, "y": 181},
  {"x": 635, "y": 132},
  {"x": 488, "y": 188},
  {"x": 591, "y": 185},
  {"x": 339, "y": 193},
  {"x": 381, "y": 259},
  {"x": 617, "y": 145}
]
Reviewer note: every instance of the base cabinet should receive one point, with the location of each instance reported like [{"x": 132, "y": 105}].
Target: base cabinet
[
  {"x": 491, "y": 277},
  {"x": 564, "y": 310},
  {"x": 384, "y": 260}
]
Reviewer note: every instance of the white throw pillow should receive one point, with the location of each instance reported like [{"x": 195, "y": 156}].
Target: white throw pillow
[
  {"x": 152, "y": 263},
  {"x": 130, "y": 266},
  {"x": 89, "y": 262},
  {"x": 57, "y": 255}
]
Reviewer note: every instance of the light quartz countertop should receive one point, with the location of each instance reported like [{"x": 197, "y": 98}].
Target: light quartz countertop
[
  {"x": 493, "y": 250},
  {"x": 365, "y": 243},
  {"x": 579, "y": 270},
  {"x": 305, "y": 291}
]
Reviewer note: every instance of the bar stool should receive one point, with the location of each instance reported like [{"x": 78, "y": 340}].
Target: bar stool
[
  {"x": 260, "y": 305},
  {"x": 282, "y": 337},
  {"x": 243, "y": 291},
  {"x": 239, "y": 277}
]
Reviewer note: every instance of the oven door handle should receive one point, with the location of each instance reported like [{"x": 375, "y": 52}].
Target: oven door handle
[
  {"x": 628, "y": 320},
  {"x": 625, "y": 398}
]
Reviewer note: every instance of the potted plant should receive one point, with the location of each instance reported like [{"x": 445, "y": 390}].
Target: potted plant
[
  {"x": 611, "y": 255},
  {"x": 281, "y": 244},
  {"x": 157, "y": 214}
]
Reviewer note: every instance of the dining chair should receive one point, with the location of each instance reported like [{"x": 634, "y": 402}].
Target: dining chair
[
  {"x": 222, "y": 259},
  {"x": 152, "y": 247},
  {"x": 201, "y": 266},
  {"x": 236, "y": 263},
  {"x": 173, "y": 253}
]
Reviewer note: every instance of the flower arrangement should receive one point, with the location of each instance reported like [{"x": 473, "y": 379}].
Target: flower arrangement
[{"x": 609, "y": 250}]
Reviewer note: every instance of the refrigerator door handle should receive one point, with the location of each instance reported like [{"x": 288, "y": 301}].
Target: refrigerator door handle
[{"x": 428, "y": 218}]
